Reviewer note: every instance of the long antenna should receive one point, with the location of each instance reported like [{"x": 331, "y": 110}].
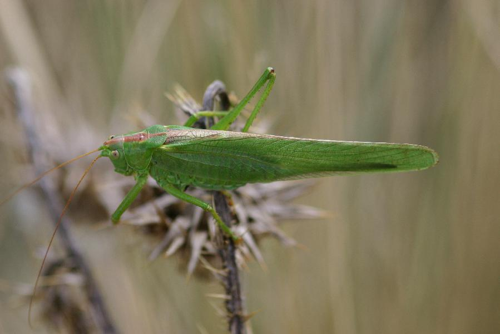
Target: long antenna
[
  {"x": 57, "y": 226},
  {"x": 39, "y": 177}
]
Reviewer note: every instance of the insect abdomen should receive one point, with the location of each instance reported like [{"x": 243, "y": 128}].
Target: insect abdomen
[{"x": 187, "y": 180}]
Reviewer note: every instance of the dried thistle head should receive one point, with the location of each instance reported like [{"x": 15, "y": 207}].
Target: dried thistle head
[
  {"x": 63, "y": 303},
  {"x": 184, "y": 230}
]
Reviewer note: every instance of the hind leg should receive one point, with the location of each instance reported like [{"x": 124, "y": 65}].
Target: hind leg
[{"x": 267, "y": 77}]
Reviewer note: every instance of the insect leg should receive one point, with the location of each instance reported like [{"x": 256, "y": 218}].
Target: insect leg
[
  {"x": 267, "y": 77},
  {"x": 172, "y": 190},
  {"x": 196, "y": 116},
  {"x": 261, "y": 102},
  {"x": 129, "y": 198}
]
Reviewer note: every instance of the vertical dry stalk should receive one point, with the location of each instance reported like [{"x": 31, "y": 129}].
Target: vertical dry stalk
[
  {"x": 231, "y": 278},
  {"x": 21, "y": 84},
  {"x": 226, "y": 245}
]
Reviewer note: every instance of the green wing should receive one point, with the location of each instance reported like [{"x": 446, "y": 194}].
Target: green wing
[{"x": 224, "y": 158}]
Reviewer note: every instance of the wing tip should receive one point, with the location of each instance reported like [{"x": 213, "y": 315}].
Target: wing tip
[{"x": 432, "y": 158}]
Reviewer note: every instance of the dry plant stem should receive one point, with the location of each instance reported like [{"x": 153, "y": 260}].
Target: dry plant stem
[
  {"x": 215, "y": 90},
  {"x": 20, "y": 82},
  {"x": 231, "y": 279},
  {"x": 78, "y": 322},
  {"x": 227, "y": 247}
]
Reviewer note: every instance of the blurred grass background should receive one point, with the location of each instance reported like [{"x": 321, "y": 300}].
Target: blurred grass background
[{"x": 407, "y": 253}]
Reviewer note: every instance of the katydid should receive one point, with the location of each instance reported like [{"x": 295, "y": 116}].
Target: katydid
[{"x": 218, "y": 159}]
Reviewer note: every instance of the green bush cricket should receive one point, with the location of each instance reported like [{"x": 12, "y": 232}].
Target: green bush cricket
[{"x": 217, "y": 159}]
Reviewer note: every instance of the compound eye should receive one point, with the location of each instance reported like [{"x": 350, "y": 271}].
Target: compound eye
[
  {"x": 142, "y": 136},
  {"x": 111, "y": 137},
  {"x": 115, "y": 154}
]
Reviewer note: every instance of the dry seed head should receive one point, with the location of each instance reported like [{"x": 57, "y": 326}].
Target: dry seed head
[
  {"x": 64, "y": 304},
  {"x": 178, "y": 228}
]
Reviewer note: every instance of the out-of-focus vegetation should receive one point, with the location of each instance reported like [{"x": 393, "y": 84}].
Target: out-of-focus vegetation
[{"x": 406, "y": 253}]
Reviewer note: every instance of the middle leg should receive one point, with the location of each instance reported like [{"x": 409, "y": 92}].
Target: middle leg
[
  {"x": 172, "y": 190},
  {"x": 193, "y": 118}
]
